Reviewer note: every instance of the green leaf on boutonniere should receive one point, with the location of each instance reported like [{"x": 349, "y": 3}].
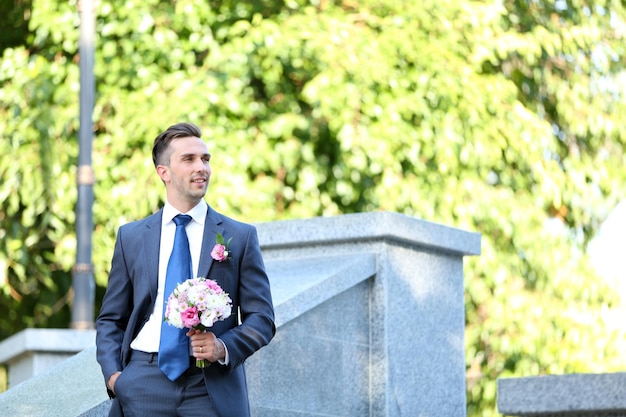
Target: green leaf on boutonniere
[{"x": 220, "y": 239}]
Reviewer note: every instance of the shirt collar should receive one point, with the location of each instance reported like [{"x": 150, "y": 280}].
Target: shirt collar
[{"x": 198, "y": 213}]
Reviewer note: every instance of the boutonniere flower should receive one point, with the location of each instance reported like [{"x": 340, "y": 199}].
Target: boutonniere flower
[{"x": 220, "y": 251}]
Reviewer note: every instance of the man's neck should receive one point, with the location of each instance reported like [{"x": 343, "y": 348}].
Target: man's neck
[{"x": 184, "y": 207}]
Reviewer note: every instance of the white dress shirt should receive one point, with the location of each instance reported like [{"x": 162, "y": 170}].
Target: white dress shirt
[{"x": 147, "y": 339}]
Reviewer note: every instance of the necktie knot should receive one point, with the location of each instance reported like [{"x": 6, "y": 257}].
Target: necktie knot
[{"x": 182, "y": 219}]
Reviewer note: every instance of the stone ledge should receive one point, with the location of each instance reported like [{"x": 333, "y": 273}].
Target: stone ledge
[
  {"x": 58, "y": 392},
  {"x": 45, "y": 340},
  {"x": 563, "y": 395},
  {"x": 299, "y": 285},
  {"x": 366, "y": 227}
]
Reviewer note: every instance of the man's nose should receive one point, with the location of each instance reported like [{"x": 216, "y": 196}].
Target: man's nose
[{"x": 201, "y": 165}]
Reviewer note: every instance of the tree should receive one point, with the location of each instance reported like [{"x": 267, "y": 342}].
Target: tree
[
  {"x": 14, "y": 21},
  {"x": 501, "y": 118}
]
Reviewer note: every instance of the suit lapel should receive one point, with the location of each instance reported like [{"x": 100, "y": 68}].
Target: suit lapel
[
  {"x": 152, "y": 248},
  {"x": 212, "y": 226}
]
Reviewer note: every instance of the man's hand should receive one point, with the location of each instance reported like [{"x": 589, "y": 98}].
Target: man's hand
[
  {"x": 112, "y": 379},
  {"x": 206, "y": 346}
]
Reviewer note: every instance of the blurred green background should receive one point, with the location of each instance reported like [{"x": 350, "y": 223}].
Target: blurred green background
[{"x": 500, "y": 117}]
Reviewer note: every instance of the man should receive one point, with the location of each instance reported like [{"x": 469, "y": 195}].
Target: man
[{"x": 130, "y": 349}]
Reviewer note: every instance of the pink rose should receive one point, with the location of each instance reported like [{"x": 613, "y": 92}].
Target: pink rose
[
  {"x": 190, "y": 317},
  {"x": 214, "y": 286},
  {"x": 219, "y": 253}
]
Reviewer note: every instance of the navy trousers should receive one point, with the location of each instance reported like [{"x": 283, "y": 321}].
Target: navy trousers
[{"x": 144, "y": 391}]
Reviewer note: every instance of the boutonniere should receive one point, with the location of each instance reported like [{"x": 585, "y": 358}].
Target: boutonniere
[{"x": 220, "y": 251}]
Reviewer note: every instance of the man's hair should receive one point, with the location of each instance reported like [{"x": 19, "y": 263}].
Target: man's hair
[{"x": 162, "y": 142}]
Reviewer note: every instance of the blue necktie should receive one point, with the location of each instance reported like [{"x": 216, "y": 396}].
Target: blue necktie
[{"x": 174, "y": 344}]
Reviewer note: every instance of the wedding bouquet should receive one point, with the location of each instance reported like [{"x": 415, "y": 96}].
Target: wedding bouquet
[{"x": 197, "y": 303}]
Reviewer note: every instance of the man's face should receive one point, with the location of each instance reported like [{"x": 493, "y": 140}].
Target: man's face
[{"x": 187, "y": 176}]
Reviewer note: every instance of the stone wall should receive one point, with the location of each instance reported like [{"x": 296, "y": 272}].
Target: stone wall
[{"x": 370, "y": 319}]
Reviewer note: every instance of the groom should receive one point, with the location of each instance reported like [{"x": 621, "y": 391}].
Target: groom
[{"x": 128, "y": 339}]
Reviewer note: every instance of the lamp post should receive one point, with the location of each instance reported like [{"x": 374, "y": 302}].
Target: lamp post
[{"x": 83, "y": 281}]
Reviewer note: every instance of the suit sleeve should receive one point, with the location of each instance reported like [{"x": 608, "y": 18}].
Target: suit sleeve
[
  {"x": 114, "y": 313},
  {"x": 257, "y": 326}
]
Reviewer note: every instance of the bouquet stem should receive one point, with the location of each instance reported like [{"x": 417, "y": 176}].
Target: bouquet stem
[{"x": 202, "y": 363}]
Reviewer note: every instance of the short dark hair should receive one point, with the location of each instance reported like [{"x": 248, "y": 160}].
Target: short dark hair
[{"x": 163, "y": 140}]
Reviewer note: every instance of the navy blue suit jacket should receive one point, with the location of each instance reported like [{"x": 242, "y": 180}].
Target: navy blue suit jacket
[{"x": 131, "y": 293}]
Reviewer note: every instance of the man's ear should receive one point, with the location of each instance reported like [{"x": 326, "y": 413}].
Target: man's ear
[{"x": 164, "y": 172}]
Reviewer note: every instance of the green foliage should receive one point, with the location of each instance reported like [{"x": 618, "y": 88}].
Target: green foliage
[
  {"x": 14, "y": 22},
  {"x": 501, "y": 118},
  {"x": 36, "y": 168}
]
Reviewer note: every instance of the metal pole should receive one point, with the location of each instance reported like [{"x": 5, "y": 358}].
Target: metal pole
[{"x": 82, "y": 273}]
